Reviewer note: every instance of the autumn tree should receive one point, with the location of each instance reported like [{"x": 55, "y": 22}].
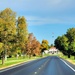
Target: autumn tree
[
  {"x": 37, "y": 50},
  {"x": 7, "y": 28},
  {"x": 14, "y": 36},
  {"x": 44, "y": 45},
  {"x": 36, "y": 47},
  {"x": 22, "y": 34},
  {"x": 29, "y": 45},
  {"x": 33, "y": 46}
]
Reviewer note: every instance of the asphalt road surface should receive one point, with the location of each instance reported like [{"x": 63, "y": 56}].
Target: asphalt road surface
[{"x": 51, "y": 65}]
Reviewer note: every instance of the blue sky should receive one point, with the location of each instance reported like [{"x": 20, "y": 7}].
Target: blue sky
[{"x": 45, "y": 18}]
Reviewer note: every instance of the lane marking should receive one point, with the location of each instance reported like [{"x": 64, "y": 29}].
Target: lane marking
[
  {"x": 39, "y": 68},
  {"x": 68, "y": 65},
  {"x": 43, "y": 65},
  {"x": 35, "y": 72}
]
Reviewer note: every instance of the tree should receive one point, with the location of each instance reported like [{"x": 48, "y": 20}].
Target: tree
[
  {"x": 22, "y": 34},
  {"x": 8, "y": 28},
  {"x": 33, "y": 46},
  {"x": 1, "y": 49},
  {"x": 72, "y": 47},
  {"x": 66, "y": 43},
  {"x": 71, "y": 38},
  {"x": 29, "y": 47},
  {"x": 71, "y": 34},
  {"x": 37, "y": 50},
  {"x": 44, "y": 46},
  {"x": 63, "y": 45},
  {"x": 58, "y": 42}
]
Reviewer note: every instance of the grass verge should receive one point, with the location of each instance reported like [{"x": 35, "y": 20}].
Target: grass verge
[
  {"x": 71, "y": 59},
  {"x": 14, "y": 61}
]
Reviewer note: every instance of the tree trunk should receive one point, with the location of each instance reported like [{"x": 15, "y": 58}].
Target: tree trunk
[
  {"x": 29, "y": 56},
  {"x": 3, "y": 60},
  {"x": 17, "y": 56},
  {"x": 3, "y": 57},
  {"x": 74, "y": 57},
  {"x": 68, "y": 55}
]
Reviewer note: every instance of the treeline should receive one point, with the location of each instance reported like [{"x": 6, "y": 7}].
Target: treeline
[
  {"x": 66, "y": 42},
  {"x": 15, "y": 40}
]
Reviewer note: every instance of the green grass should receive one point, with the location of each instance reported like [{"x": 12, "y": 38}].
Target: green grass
[
  {"x": 13, "y": 61},
  {"x": 71, "y": 59}
]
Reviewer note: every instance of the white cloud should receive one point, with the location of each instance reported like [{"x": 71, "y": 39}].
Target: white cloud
[
  {"x": 47, "y": 20},
  {"x": 48, "y": 11}
]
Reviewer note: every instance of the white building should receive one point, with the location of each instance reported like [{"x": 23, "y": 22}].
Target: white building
[{"x": 53, "y": 50}]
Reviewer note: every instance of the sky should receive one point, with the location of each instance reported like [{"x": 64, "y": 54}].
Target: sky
[{"x": 46, "y": 19}]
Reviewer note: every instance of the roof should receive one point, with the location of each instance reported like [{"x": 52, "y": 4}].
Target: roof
[{"x": 53, "y": 49}]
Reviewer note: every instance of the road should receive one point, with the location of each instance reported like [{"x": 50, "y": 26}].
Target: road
[{"x": 51, "y": 65}]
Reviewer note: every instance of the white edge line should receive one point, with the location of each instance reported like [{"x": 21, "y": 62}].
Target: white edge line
[{"x": 68, "y": 65}]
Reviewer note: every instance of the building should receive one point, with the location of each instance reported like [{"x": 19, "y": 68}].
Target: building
[{"x": 53, "y": 50}]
